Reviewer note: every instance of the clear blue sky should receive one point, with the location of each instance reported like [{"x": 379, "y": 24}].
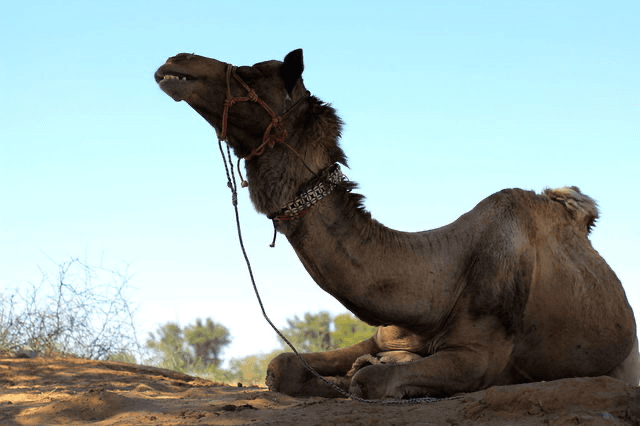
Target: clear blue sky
[{"x": 444, "y": 103}]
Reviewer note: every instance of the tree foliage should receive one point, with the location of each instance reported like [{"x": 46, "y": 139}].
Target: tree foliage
[
  {"x": 251, "y": 369},
  {"x": 194, "y": 349},
  {"x": 169, "y": 348},
  {"x": 310, "y": 334},
  {"x": 322, "y": 332},
  {"x": 207, "y": 340},
  {"x": 197, "y": 348},
  {"x": 349, "y": 330}
]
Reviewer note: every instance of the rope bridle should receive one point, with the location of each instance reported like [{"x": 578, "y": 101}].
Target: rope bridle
[{"x": 277, "y": 133}]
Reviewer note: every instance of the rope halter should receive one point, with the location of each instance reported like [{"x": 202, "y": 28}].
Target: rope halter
[{"x": 275, "y": 131}]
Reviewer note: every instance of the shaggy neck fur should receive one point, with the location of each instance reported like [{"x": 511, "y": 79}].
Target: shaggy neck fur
[{"x": 276, "y": 176}]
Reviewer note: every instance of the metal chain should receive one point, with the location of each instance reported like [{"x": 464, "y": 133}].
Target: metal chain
[{"x": 231, "y": 183}]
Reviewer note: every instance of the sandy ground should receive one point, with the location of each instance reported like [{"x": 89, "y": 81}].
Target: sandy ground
[{"x": 51, "y": 391}]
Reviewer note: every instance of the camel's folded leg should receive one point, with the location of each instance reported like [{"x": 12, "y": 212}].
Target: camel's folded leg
[
  {"x": 443, "y": 373},
  {"x": 288, "y": 375},
  {"x": 464, "y": 363}
]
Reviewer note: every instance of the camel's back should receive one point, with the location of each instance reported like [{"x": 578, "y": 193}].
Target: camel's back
[{"x": 561, "y": 207}]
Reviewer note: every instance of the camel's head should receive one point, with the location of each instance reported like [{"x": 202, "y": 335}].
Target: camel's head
[{"x": 207, "y": 85}]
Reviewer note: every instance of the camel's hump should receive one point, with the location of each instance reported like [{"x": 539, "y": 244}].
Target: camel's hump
[{"x": 583, "y": 208}]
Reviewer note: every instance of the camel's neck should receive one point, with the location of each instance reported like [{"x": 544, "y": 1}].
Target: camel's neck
[
  {"x": 383, "y": 276},
  {"x": 380, "y": 274}
]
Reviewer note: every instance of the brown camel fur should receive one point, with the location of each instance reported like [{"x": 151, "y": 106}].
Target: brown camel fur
[{"x": 510, "y": 292}]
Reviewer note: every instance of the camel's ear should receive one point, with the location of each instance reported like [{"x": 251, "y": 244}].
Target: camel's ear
[{"x": 292, "y": 69}]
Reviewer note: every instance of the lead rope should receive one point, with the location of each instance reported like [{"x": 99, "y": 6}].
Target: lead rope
[{"x": 231, "y": 184}]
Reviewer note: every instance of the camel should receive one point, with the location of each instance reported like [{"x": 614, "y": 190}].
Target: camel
[{"x": 510, "y": 292}]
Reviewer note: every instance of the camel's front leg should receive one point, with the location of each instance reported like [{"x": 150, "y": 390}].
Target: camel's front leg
[
  {"x": 288, "y": 375},
  {"x": 468, "y": 360},
  {"x": 444, "y": 373}
]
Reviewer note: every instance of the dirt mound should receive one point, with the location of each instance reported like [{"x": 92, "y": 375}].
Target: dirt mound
[{"x": 76, "y": 391}]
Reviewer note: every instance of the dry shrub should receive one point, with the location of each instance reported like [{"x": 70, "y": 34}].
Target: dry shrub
[{"x": 82, "y": 311}]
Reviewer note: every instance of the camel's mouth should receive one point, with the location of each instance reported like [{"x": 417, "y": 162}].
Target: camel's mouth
[
  {"x": 173, "y": 77},
  {"x": 174, "y": 84},
  {"x": 161, "y": 77}
]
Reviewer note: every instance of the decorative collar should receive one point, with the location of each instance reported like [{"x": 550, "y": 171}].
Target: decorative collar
[{"x": 316, "y": 189}]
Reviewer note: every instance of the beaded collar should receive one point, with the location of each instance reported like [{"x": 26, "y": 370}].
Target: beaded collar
[{"x": 316, "y": 189}]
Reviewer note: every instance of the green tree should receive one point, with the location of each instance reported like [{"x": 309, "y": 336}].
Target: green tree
[
  {"x": 169, "y": 348},
  {"x": 349, "y": 330},
  {"x": 195, "y": 349},
  {"x": 251, "y": 369},
  {"x": 322, "y": 332},
  {"x": 310, "y": 334},
  {"x": 207, "y": 340}
]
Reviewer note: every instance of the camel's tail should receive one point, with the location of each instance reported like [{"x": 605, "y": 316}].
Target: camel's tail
[{"x": 583, "y": 208}]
